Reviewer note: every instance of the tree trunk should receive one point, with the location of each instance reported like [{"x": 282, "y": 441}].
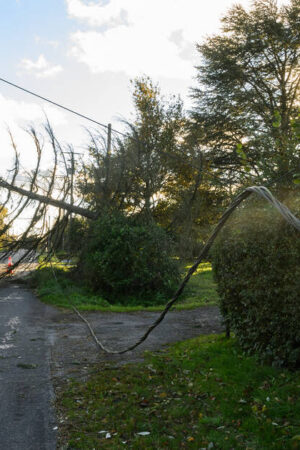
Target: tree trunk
[{"x": 49, "y": 201}]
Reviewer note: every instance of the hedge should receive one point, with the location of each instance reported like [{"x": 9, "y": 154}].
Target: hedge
[{"x": 256, "y": 264}]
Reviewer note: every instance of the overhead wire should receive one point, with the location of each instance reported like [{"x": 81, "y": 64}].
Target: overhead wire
[
  {"x": 59, "y": 105},
  {"x": 72, "y": 111},
  {"x": 263, "y": 192},
  {"x": 172, "y": 155}
]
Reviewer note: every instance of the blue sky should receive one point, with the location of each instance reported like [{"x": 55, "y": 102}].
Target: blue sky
[{"x": 21, "y": 21}]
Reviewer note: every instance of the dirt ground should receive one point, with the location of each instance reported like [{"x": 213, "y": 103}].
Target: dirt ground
[{"x": 75, "y": 354}]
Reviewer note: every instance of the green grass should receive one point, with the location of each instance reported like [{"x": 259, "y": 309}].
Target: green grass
[
  {"x": 201, "y": 289},
  {"x": 202, "y": 393},
  {"x": 63, "y": 291}
]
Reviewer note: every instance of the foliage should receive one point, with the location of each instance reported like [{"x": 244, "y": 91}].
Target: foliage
[
  {"x": 153, "y": 172},
  {"x": 257, "y": 267},
  {"x": 248, "y": 93},
  {"x": 131, "y": 174},
  {"x": 201, "y": 393},
  {"x": 75, "y": 235},
  {"x": 153, "y": 142},
  {"x": 129, "y": 260}
]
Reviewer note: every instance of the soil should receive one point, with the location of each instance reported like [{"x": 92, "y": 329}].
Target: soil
[{"x": 75, "y": 353}]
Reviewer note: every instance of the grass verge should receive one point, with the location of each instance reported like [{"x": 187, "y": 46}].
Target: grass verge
[
  {"x": 202, "y": 393},
  {"x": 64, "y": 291}
]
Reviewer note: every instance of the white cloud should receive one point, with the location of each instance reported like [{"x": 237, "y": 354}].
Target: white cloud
[
  {"x": 18, "y": 116},
  {"x": 156, "y": 37},
  {"x": 41, "y": 68},
  {"x": 144, "y": 42},
  {"x": 101, "y": 14},
  {"x": 125, "y": 52},
  {"x": 13, "y": 111}
]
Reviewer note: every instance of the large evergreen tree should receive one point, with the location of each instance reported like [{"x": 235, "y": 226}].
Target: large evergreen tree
[
  {"x": 248, "y": 91},
  {"x": 154, "y": 143}
]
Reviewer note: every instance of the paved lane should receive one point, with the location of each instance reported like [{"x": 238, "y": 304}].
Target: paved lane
[{"x": 27, "y": 420}]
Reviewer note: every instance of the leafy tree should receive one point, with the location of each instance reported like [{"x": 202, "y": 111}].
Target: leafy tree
[
  {"x": 169, "y": 172},
  {"x": 105, "y": 180},
  {"x": 132, "y": 174},
  {"x": 153, "y": 145},
  {"x": 248, "y": 92},
  {"x": 154, "y": 172}
]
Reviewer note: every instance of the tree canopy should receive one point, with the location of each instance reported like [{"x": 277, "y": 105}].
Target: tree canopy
[
  {"x": 248, "y": 91},
  {"x": 175, "y": 169}
]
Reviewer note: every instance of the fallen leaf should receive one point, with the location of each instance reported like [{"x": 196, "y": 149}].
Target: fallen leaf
[{"x": 27, "y": 366}]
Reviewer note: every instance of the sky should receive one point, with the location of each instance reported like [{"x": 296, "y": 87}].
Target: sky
[{"x": 83, "y": 54}]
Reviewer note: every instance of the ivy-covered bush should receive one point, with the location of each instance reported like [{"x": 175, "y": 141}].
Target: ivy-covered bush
[
  {"x": 256, "y": 263},
  {"x": 129, "y": 262}
]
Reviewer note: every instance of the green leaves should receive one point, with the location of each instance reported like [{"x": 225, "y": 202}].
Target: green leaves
[
  {"x": 296, "y": 178},
  {"x": 243, "y": 156},
  {"x": 256, "y": 265},
  {"x": 240, "y": 152},
  {"x": 277, "y": 119},
  {"x": 241, "y": 95},
  {"x": 129, "y": 261},
  {"x": 296, "y": 126}
]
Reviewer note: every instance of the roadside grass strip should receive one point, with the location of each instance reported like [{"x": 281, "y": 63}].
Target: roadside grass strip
[
  {"x": 199, "y": 394},
  {"x": 200, "y": 291}
]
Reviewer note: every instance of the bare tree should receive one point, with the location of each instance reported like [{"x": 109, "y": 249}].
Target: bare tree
[{"x": 33, "y": 193}]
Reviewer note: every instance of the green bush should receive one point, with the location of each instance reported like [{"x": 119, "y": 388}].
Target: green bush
[
  {"x": 256, "y": 264},
  {"x": 129, "y": 262}
]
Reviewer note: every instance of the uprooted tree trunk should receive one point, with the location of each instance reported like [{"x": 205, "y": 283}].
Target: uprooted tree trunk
[
  {"x": 49, "y": 201},
  {"x": 37, "y": 192},
  {"x": 106, "y": 181}
]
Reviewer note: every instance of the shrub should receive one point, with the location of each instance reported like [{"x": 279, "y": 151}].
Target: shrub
[
  {"x": 129, "y": 262},
  {"x": 256, "y": 264}
]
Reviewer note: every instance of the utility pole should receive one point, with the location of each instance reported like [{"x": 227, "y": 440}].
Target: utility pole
[
  {"x": 109, "y": 139},
  {"x": 72, "y": 198},
  {"x": 107, "y": 161}
]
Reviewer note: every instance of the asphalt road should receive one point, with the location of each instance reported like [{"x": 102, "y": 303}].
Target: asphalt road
[{"x": 27, "y": 420}]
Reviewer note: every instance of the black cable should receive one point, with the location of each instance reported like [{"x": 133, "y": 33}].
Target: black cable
[
  {"x": 112, "y": 129},
  {"x": 61, "y": 106},
  {"x": 84, "y": 117}
]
